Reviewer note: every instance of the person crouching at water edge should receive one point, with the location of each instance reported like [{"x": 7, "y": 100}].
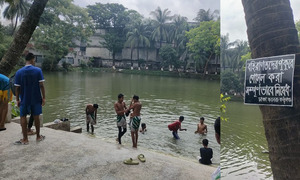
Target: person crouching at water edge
[
  {"x": 175, "y": 126},
  {"x": 91, "y": 116},
  {"x": 120, "y": 108},
  {"x": 135, "y": 119}
]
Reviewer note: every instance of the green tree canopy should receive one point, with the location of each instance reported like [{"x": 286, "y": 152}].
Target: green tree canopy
[
  {"x": 61, "y": 25},
  {"x": 113, "y": 18},
  {"x": 169, "y": 56},
  {"x": 204, "y": 42},
  {"x": 161, "y": 19}
]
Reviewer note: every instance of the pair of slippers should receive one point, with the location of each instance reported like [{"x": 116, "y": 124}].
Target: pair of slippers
[
  {"x": 130, "y": 161},
  {"x": 21, "y": 142}
]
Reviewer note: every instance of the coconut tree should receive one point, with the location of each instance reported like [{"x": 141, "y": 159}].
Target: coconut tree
[
  {"x": 15, "y": 11},
  {"x": 179, "y": 26},
  {"x": 271, "y": 31},
  {"x": 161, "y": 18},
  {"x": 207, "y": 15},
  {"x": 22, "y": 37},
  {"x": 137, "y": 38}
]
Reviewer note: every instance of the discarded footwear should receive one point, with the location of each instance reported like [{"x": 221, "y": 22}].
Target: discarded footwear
[
  {"x": 131, "y": 162},
  {"x": 142, "y": 158},
  {"x": 2, "y": 129},
  {"x": 20, "y": 142},
  {"x": 41, "y": 138}
]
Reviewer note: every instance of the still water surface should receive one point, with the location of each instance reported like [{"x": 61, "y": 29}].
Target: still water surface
[
  {"x": 164, "y": 99},
  {"x": 244, "y": 144}
]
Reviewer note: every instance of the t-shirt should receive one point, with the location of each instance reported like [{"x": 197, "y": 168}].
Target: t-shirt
[
  {"x": 174, "y": 126},
  {"x": 206, "y": 154},
  {"x": 4, "y": 82},
  {"x": 28, "y": 78}
]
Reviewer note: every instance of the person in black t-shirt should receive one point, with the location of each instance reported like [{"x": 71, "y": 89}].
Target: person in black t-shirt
[{"x": 206, "y": 153}]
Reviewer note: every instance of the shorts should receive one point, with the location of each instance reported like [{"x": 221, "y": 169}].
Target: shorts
[
  {"x": 135, "y": 123},
  {"x": 175, "y": 135},
  {"x": 35, "y": 110},
  {"x": 121, "y": 121},
  {"x": 90, "y": 119},
  {"x": 6, "y": 96}
]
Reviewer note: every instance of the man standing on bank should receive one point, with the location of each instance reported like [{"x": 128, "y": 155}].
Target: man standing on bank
[
  {"x": 120, "y": 108},
  {"x": 30, "y": 96},
  {"x": 135, "y": 119}
]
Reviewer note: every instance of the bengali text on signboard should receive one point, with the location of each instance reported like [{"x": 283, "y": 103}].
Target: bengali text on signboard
[{"x": 269, "y": 80}]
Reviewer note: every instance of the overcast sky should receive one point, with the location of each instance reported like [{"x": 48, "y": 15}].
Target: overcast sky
[
  {"x": 187, "y": 8},
  {"x": 233, "y": 18}
]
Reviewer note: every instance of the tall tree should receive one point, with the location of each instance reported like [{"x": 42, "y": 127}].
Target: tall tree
[
  {"x": 137, "y": 38},
  {"x": 57, "y": 34},
  {"x": 271, "y": 31},
  {"x": 22, "y": 37},
  {"x": 113, "y": 18},
  {"x": 15, "y": 11},
  {"x": 161, "y": 18},
  {"x": 204, "y": 42},
  {"x": 207, "y": 15}
]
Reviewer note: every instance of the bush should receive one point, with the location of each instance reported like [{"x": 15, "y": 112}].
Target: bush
[
  {"x": 66, "y": 66},
  {"x": 83, "y": 65},
  {"x": 230, "y": 82},
  {"x": 49, "y": 64}
]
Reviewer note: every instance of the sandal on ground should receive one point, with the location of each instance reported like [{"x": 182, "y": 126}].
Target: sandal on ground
[
  {"x": 20, "y": 142},
  {"x": 131, "y": 162},
  {"x": 2, "y": 129},
  {"x": 141, "y": 157},
  {"x": 41, "y": 138}
]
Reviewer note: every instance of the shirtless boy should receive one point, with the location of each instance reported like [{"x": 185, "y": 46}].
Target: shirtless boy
[
  {"x": 201, "y": 127},
  {"x": 135, "y": 119},
  {"x": 120, "y": 109},
  {"x": 91, "y": 115}
]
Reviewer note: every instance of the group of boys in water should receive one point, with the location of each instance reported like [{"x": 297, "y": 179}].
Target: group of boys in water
[{"x": 122, "y": 111}]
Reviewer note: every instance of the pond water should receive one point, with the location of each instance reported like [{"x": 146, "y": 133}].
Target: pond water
[
  {"x": 164, "y": 99},
  {"x": 244, "y": 145}
]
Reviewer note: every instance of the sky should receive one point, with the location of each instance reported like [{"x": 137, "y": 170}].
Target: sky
[
  {"x": 187, "y": 8},
  {"x": 233, "y": 18}
]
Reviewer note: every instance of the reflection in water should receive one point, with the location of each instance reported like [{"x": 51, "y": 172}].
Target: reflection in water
[
  {"x": 164, "y": 100},
  {"x": 244, "y": 143}
]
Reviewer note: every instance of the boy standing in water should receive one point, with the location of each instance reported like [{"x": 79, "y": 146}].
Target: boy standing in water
[
  {"x": 120, "y": 108},
  {"x": 175, "y": 126},
  {"x": 91, "y": 116},
  {"x": 201, "y": 127},
  {"x": 135, "y": 119}
]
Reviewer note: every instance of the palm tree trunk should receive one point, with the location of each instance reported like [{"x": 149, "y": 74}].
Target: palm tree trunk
[
  {"x": 138, "y": 51},
  {"x": 16, "y": 23},
  {"x": 22, "y": 37},
  {"x": 271, "y": 31},
  {"x": 206, "y": 64},
  {"x": 131, "y": 51}
]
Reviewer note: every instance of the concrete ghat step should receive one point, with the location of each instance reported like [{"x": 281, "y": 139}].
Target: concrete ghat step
[{"x": 64, "y": 155}]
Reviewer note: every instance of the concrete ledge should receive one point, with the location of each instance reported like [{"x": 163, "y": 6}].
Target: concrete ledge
[
  {"x": 71, "y": 156},
  {"x": 76, "y": 129},
  {"x": 64, "y": 126},
  {"x": 17, "y": 120}
]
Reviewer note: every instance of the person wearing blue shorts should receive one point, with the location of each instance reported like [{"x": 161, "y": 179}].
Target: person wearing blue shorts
[{"x": 30, "y": 96}]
